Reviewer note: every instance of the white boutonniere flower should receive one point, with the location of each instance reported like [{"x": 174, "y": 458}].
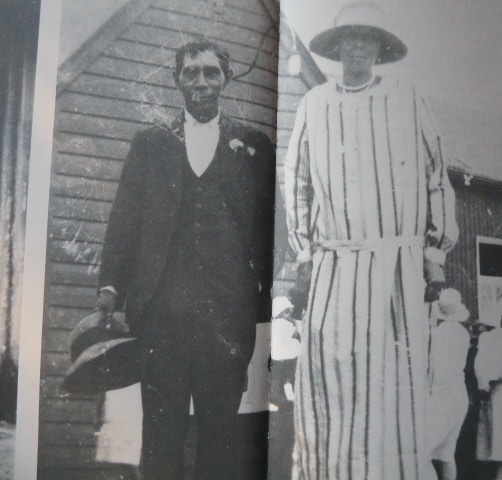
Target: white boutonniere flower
[{"x": 235, "y": 144}]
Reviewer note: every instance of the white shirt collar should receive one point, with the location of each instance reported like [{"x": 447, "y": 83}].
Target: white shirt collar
[
  {"x": 201, "y": 140},
  {"x": 192, "y": 122}
]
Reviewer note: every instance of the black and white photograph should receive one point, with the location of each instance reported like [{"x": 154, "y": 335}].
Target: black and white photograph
[
  {"x": 18, "y": 52},
  {"x": 159, "y": 268},
  {"x": 265, "y": 241},
  {"x": 388, "y": 155}
]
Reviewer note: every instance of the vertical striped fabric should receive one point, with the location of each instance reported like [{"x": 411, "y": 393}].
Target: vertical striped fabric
[{"x": 365, "y": 166}]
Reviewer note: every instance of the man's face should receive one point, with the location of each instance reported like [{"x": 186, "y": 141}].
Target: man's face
[
  {"x": 201, "y": 81},
  {"x": 359, "y": 49}
]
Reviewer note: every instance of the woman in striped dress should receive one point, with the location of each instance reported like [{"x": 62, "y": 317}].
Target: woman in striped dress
[{"x": 370, "y": 214}]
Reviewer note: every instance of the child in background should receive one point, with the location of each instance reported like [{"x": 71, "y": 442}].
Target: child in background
[{"x": 448, "y": 402}]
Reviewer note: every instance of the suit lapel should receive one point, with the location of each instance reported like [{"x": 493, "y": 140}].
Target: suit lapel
[
  {"x": 233, "y": 160},
  {"x": 237, "y": 178},
  {"x": 172, "y": 150},
  {"x": 165, "y": 189},
  {"x": 175, "y": 151}
]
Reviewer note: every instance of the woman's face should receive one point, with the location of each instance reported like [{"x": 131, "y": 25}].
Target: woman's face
[{"x": 359, "y": 50}]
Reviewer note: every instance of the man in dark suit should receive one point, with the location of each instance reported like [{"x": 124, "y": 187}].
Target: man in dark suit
[{"x": 189, "y": 250}]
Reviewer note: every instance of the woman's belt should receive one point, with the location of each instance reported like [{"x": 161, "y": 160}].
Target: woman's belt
[{"x": 370, "y": 245}]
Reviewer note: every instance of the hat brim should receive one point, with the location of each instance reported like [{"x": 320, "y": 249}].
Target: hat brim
[
  {"x": 104, "y": 366},
  {"x": 326, "y": 44},
  {"x": 94, "y": 329}
]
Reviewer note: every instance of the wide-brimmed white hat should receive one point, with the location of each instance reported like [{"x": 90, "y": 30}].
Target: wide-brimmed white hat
[
  {"x": 450, "y": 306},
  {"x": 359, "y": 14}
]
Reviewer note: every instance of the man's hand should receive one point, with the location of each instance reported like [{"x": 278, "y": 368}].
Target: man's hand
[
  {"x": 106, "y": 302},
  {"x": 433, "y": 291},
  {"x": 299, "y": 294}
]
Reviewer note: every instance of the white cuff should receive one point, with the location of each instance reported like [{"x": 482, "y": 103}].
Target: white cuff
[
  {"x": 108, "y": 288},
  {"x": 304, "y": 256}
]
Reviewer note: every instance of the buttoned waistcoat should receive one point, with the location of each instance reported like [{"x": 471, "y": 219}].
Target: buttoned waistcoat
[{"x": 147, "y": 204}]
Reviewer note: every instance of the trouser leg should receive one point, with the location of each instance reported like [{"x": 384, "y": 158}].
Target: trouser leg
[
  {"x": 217, "y": 396},
  {"x": 165, "y": 422},
  {"x": 209, "y": 349},
  {"x": 219, "y": 378}
]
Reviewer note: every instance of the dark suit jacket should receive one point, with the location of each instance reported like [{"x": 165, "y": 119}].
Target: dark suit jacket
[{"x": 145, "y": 212}]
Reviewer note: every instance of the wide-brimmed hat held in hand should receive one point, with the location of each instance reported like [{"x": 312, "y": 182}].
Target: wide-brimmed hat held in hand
[{"x": 104, "y": 356}]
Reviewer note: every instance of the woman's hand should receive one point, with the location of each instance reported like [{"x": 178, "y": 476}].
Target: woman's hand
[
  {"x": 433, "y": 291},
  {"x": 299, "y": 294}
]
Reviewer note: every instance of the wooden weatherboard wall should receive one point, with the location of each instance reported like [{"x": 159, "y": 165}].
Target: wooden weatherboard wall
[
  {"x": 479, "y": 213},
  {"x": 125, "y": 84},
  {"x": 291, "y": 89}
]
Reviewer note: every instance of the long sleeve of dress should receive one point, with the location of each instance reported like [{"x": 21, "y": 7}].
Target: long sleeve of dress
[
  {"x": 298, "y": 187},
  {"x": 442, "y": 229}
]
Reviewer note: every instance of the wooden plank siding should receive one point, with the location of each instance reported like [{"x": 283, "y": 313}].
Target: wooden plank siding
[
  {"x": 291, "y": 90},
  {"x": 126, "y": 85},
  {"x": 479, "y": 212}
]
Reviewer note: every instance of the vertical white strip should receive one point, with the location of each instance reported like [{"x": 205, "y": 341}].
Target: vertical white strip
[{"x": 36, "y": 241}]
